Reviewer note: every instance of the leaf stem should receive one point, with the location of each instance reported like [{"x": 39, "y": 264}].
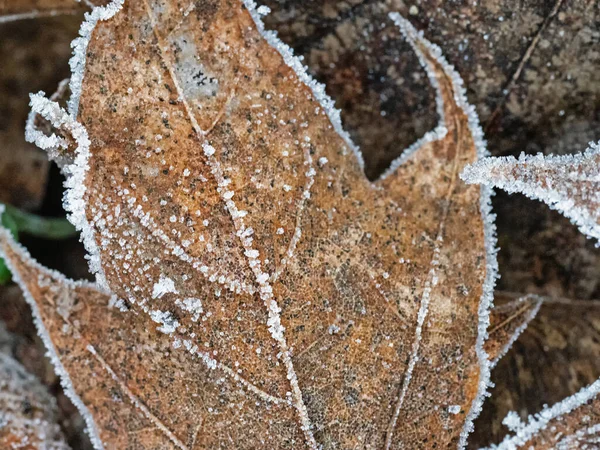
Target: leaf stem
[{"x": 43, "y": 227}]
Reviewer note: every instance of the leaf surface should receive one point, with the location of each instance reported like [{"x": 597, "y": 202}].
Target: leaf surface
[
  {"x": 556, "y": 356},
  {"x": 221, "y": 201}
]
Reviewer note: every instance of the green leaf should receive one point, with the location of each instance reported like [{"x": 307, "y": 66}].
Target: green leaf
[{"x": 8, "y": 222}]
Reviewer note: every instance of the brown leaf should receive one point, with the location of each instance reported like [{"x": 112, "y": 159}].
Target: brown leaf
[
  {"x": 509, "y": 317},
  {"x": 557, "y": 355},
  {"x": 217, "y": 196},
  {"x": 27, "y": 412}
]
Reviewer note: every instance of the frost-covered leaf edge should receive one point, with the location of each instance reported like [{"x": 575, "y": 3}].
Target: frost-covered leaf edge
[
  {"x": 538, "y": 422},
  {"x": 74, "y": 197},
  {"x": 480, "y": 173},
  {"x": 65, "y": 379}
]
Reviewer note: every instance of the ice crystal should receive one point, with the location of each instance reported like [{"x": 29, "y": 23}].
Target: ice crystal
[
  {"x": 257, "y": 245},
  {"x": 569, "y": 183}
]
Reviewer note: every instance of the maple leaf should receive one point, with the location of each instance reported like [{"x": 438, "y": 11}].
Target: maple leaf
[
  {"x": 28, "y": 415},
  {"x": 569, "y": 183},
  {"x": 219, "y": 197}
]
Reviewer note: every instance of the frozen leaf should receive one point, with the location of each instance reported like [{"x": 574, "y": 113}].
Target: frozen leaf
[
  {"x": 553, "y": 358},
  {"x": 569, "y": 183},
  {"x": 123, "y": 369},
  {"x": 227, "y": 210},
  {"x": 508, "y": 319},
  {"x": 28, "y": 416},
  {"x": 574, "y": 423},
  {"x": 38, "y": 129}
]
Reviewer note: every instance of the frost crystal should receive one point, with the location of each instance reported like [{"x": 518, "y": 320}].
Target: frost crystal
[
  {"x": 539, "y": 422},
  {"x": 416, "y": 40},
  {"x": 569, "y": 184},
  {"x": 454, "y": 409},
  {"x": 168, "y": 324},
  {"x": 164, "y": 286}
]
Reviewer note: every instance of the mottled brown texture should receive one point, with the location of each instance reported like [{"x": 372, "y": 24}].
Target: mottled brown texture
[
  {"x": 548, "y": 47},
  {"x": 28, "y": 413},
  {"x": 34, "y": 55},
  {"x": 347, "y": 289},
  {"x": 509, "y": 317},
  {"x": 556, "y": 356}
]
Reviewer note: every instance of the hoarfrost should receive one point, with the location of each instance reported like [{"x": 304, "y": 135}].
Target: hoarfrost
[
  {"x": 168, "y": 324},
  {"x": 540, "y": 421},
  {"x": 570, "y": 183},
  {"x": 454, "y": 409},
  {"x": 193, "y": 305},
  {"x": 415, "y": 39},
  {"x": 165, "y": 285}
]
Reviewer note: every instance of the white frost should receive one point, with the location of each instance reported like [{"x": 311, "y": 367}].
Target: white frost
[
  {"x": 540, "y": 421},
  {"x": 164, "y": 285},
  {"x": 570, "y": 183},
  {"x": 486, "y": 211}
]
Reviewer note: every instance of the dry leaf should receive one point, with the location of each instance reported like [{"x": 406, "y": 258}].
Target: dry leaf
[
  {"x": 569, "y": 184},
  {"x": 69, "y": 309},
  {"x": 218, "y": 196},
  {"x": 27, "y": 411},
  {"x": 508, "y": 319},
  {"x": 572, "y": 424},
  {"x": 555, "y": 357}
]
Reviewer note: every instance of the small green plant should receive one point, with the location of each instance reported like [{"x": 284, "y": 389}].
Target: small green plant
[{"x": 18, "y": 221}]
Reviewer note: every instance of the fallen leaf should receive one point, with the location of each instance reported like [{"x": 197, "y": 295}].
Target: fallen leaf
[
  {"x": 569, "y": 183},
  {"x": 508, "y": 319},
  {"x": 574, "y": 423},
  {"x": 556, "y": 356},
  {"x": 219, "y": 197},
  {"x": 27, "y": 411}
]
